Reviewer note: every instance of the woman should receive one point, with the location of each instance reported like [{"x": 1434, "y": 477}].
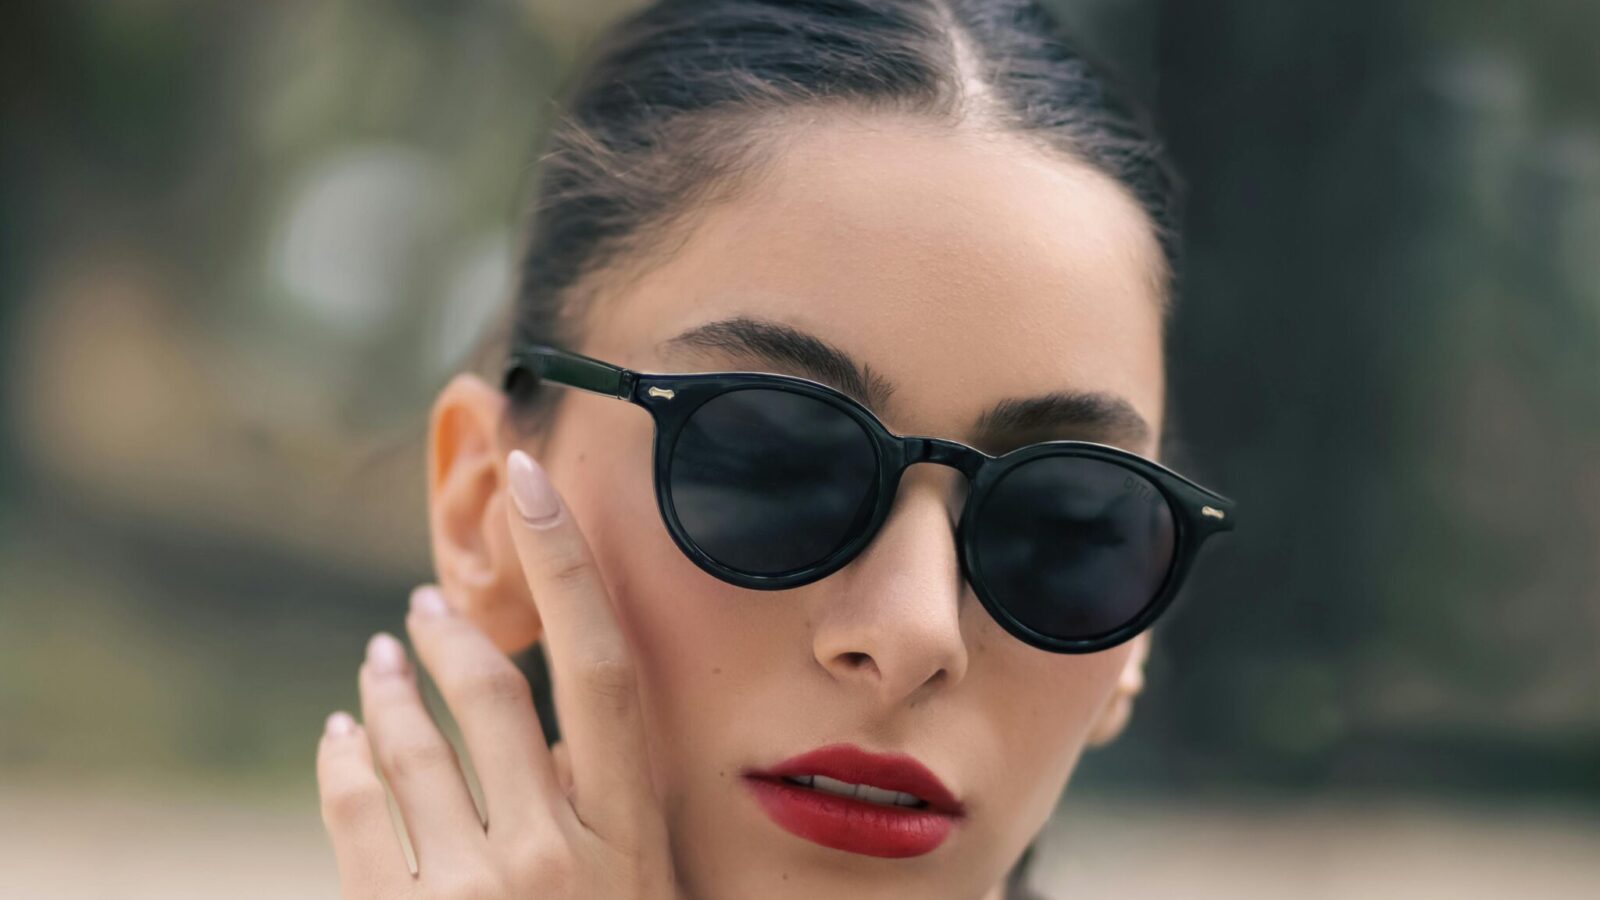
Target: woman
[{"x": 790, "y": 660}]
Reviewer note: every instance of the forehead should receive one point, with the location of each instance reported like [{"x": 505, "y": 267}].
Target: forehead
[{"x": 962, "y": 267}]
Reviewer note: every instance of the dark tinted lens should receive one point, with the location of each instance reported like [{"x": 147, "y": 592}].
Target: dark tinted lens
[
  {"x": 769, "y": 482},
  {"x": 1074, "y": 547}
]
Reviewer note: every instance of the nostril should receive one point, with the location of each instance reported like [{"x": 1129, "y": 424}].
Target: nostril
[{"x": 858, "y": 660}]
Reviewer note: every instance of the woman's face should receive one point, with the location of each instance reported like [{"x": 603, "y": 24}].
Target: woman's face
[{"x": 957, "y": 270}]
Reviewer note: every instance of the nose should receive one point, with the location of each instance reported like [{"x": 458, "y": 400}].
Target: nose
[{"x": 890, "y": 622}]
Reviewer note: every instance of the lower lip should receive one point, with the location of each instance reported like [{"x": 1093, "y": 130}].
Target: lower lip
[{"x": 855, "y": 826}]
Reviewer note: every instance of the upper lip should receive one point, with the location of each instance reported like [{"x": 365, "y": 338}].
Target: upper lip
[{"x": 888, "y": 771}]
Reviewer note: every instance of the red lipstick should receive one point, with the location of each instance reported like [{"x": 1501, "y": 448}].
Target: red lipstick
[{"x": 871, "y": 822}]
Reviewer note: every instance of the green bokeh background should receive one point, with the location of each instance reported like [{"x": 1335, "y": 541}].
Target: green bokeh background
[{"x": 242, "y": 244}]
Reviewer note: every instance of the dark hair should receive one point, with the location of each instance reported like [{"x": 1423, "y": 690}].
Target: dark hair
[{"x": 681, "y": 102}]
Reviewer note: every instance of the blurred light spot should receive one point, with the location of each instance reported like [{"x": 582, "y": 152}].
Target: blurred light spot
[
  {"x": 476, "y": 289},
  {"x": 355, "y": 227}
]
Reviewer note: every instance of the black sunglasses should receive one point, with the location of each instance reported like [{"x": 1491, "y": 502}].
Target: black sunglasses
[{"x": 772, "y": 481}]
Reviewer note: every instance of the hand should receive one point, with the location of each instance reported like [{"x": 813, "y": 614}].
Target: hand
[{"x": 592, "y": 833}]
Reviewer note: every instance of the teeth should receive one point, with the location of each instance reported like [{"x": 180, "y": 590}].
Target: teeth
[{"x": 859, "y": 791}]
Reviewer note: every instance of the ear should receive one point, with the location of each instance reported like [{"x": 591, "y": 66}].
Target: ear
[
  {"x": 1114, "y": 716},
  {"x": 473, "y": 556}
]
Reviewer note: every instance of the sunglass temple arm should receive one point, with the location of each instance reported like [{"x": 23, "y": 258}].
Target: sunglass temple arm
[{"x": 571, "y": 369}]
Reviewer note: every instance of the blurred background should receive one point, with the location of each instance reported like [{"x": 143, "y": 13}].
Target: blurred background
[{"x": 242, "y": 244}]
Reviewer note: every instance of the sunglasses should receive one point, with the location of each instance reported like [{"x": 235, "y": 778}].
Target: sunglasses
[{"x": 773, "y": 481}]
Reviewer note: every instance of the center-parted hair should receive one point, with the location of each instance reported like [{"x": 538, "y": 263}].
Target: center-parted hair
[
  {"x": 680, "y": 103},
  {"x": 683, "y": 100}
]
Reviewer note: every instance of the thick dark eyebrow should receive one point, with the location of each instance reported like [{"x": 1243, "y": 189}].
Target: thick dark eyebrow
[
  {"x": 1075, "y": 415},
  {"x": 1062, "y": 415},
  {"x": 786, "y": 347}
]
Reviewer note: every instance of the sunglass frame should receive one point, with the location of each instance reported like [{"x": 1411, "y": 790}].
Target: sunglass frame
[{"x": 1197, "y": 512}]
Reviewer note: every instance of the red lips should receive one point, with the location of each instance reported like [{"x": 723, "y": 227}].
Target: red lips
[
  {"x": 847, "y": 762},
  {"x": 850, "y": 824}
]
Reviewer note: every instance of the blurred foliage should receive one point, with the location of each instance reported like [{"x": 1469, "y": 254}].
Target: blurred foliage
[{"x": 244, "y": 243}]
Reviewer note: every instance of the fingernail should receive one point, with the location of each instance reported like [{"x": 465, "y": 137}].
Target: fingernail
[
  {"x": 531, "y": 490},
  {"x": 385, "y": 654},
  {"x": 427, "y": 602},
  {"x": 340, "y": 724}
]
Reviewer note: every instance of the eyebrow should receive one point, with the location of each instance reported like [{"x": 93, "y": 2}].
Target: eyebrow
[
  {"x": 785, "y": 346},
  {"x": 1077, "y": 415}
]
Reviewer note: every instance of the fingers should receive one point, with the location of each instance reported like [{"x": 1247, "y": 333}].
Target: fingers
[
  {"x": 492, "y": 703},
  {"x": 417, "y": 760},
  {"x": 355, "y": 811},
  {"x": 563, "y": 763},
  {"x": 591, "y": 666}
]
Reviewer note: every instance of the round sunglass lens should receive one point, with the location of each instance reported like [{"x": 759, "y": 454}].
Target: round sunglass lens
[
  {"x": 1074, "y": 547},
  {"x": 769, "y": 482}
]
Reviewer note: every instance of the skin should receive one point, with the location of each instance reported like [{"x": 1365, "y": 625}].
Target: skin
[{"x": 961, "y": 266}]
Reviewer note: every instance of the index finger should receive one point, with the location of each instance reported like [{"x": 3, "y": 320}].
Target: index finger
[{"x": 591, "y": 666}]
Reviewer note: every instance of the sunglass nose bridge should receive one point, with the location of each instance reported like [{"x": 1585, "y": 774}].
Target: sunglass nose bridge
[{"x": 944, "y": 453}]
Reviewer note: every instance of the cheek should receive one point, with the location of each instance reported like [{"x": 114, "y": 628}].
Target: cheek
[
  {"x": 689, "y": 632},
  {"x": 1050, "y": 708},
  {"x": 703, "y": 652},
  {"x": 1043, "y": 706}
]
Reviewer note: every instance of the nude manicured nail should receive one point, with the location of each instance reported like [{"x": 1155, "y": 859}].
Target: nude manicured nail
[
  {"x": 340, "y": 724},
  {"x": 531, "y": 490},
  {"x": 385, "y": 654},
  {"x": 429, "y": 603}
]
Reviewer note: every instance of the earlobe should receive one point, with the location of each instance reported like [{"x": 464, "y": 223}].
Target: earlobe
[
  {"x": 474, "y": 560},
  {"x": 1118, "y": 710}
]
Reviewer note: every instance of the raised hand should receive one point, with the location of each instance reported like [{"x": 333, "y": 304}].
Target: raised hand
[{"x": 582, "y": 823}]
